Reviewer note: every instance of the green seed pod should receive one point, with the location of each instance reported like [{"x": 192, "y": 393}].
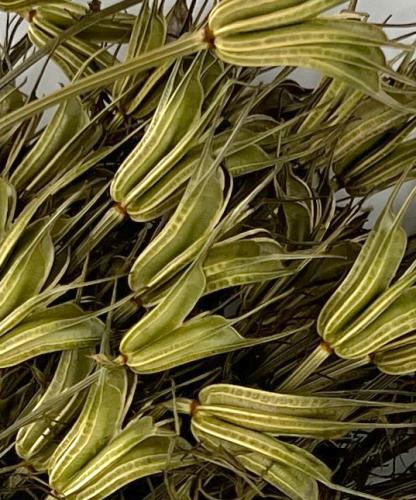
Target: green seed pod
[
  {"x": 371, "y": 124},
  {"x": 197, "y": 338},
  {"x": 240, "y": 261},
  {"x": 66, "y": 122},
  {"x": 8, "y": 200},
  {"x": 399, "y": 361},
  {"x": 292, "y": 482},
  {"x": 232, "y": 16},
  {"x": 178, "y": 110},
  {"x": 73, "y": 55},
  {"x": 140, "y": 449},
  {"x": 393, "y": 323},
  {"x": 369, "y": 277},
  {"x": 36, "y": 442},
  {"x": 382, "y": 173},
  {"x": 275, "y": 403},
  {"x": 183, "y": 236},
  {"x": 63, "y": 14},
  {"x": 28, "y": 268},
  {"x": 57, "y": 328},
  {"x": 288, "y": 454},
  {"x": 148, "y": 33},
  {"x": 99, "y": 421},
  {"x": 168, "y": 314},
  {"x": 275, "y": 34}
]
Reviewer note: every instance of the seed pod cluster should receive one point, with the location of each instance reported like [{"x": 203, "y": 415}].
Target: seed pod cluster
[{"x": 193, "y": 303}]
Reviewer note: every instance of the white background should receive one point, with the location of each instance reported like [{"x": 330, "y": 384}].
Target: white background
[{"x": 401, "y": 11}]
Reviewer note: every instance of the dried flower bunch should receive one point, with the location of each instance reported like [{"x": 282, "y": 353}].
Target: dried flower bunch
[{"x": 192, "y": 304}]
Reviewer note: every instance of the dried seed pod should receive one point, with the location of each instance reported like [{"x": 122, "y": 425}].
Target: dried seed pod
[
  {"x": 286, "y": 414},
  {"x": 382, "y": 173},
  {"x": 36, "y": 442},
  {"x": 241, "y": 261},
  {"x": 73, "y": 55},
  {"x": 292, "y": 482},
  {"x": 391, "y": 324},
  {"x": 264, "y": 35},
  {"x": 99, "y": 421},
  {"x": 397, "y": 360}
]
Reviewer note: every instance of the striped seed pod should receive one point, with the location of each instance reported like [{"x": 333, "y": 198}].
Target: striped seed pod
[
  {"x": 140, "y": 449},
  {"x": 62, "y": 15},
  {"x": 165, "y": 194},
  {"x": 148, "y": 33},
  {"x": 363, "y": 135},
  {"x": 28, "y": 268},
  {"x": 168, "y": 314},
  {"x": 57, "y": 328},
  {"x": 184, "y": 234},
  {"x": 269, "y": 33},
  {"x": 36, "y": 442},
  {"x": 371, "y": 275},
  {"x": 201, "y": 336},
  {"x": 178, "y": 111},
  {"x": 8, "y": 200},
  {"x": 204, "y": 426},
  {"x": 380, "y": 173},
  {"x": 74, "y": 54},
  {"x": 69, "y": 119},
  {"x": 242, "y": 260},
  {"x": 285, "y": 414},
  {"x": 99, "y": 421}
]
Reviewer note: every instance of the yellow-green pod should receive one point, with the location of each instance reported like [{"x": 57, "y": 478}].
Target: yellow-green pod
[
  {"x": 99, "y": 421},
  {"x": 57, "y": 328},
  {"x": 394, "y": 322},
  {"x": 241, "y": 261},
  {"x": 148, "y": 33},
  {"x": 275, "y": 403},
  {"x": 69, "y": 118},
  {"x": 8, "y": 200},
  {"x": 28, "y": 268},
  {"x": 264, "y": 444},
  {"x": 168, "y": 314},
  {"x": 63, "y": 14},
  {"x": 179, "y": 108},
  {"x": 292, "y": 482},
  {"x": 36, "y": 442},
  {"x": 183, "y": 236},
  {"x": 239, "y": 16},
  {"x": 369, "y": 277},
  {"x": 399, "y": 361},
  {"x": 140, "y": 449}
]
